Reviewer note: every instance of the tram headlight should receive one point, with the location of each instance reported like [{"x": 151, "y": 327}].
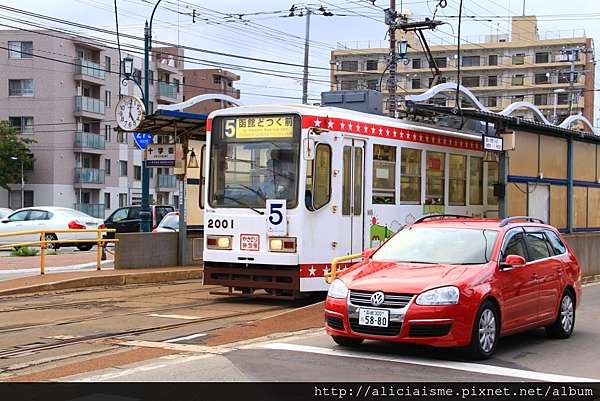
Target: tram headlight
[
  {"x": 337, "y": 289},
  {"x": 218, "y": 242},
  {"x": 282, "y": 244}
]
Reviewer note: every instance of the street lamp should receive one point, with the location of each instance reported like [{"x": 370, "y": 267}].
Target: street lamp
[
  {"x": 128, "y": 67},
  {"x": 22, "y": 181}
]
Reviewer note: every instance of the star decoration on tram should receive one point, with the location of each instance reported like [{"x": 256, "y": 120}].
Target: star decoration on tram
[
  {"x": 330, "y": 124},
  {"x": 312, "y": 271}
]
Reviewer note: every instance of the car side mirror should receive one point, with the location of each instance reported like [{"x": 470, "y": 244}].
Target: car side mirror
[
  {"x": 512, "y": 261},
  {"x": 5, "y": 220},
  {"x": 367, "y": 253}
]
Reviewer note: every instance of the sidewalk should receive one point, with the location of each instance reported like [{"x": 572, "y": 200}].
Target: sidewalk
[
  {"x": 83, "y": 279},
  {"x": 63, "y": 258}
]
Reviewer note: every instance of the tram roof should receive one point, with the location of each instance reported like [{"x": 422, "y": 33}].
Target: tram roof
[{"x": 169, "y": 122}]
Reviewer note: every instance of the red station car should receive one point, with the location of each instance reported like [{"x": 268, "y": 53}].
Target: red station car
[{"x": 453, "y": 281}]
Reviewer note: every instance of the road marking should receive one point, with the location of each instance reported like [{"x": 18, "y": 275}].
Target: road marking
[
  {"x": 190, "y": 337},
  {"x": 464, "y": 366},
  {"x": 184, "y": 317},
  {"x": 175, "y": 347}
]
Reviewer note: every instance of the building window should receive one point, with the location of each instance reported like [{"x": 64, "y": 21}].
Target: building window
[
  {"x": 137, "y": 173},
  {"x": 410, "y": 176},
  {"x": 107, "y": 133},
  {"x": 107, "y": 63},
  {"x": 176, "y": 83},
  {"x": 20, "y": 49},
  {"x": 565, "y": 77},
  {"x": 492, "y": 178},
  {"x": 372, "y": 65},
  {"x": 518, "y": 98},
  {"x": 470, "y": 61},
  {"x": 107, "y": 166},
  {"x": 541, "y": 78},
  {"x": 122, "y": 168},
  {"x": 384, "y": 174},
  {"x": 543, "y": 57},
  {"x": 493, "y": 59},
  {"x": 441, "y": 62},
  {"x": 416, "y": 63},
  {"x": 490, "y": 101},
  {"x": 562, "y": 98},
  {"x": 151, "y": 107},
  {"x": 475, "y": 181},
  {"x": 217, "y": 79},
  {"x": 15, "y": 199},
  {"x": 540, "y": 99},
  {"x": 416, "y": 83},
  {"x": 20, "y": 87},
  {"x": 122, "y": 200},
  {"x": 122, "y": 136},
  {"x": 349, "y": 85},
  {"x": 107, "y": 200},
  {"x": 151, "y": 77},
  {"x": 434, "y": 179},
  {"x": 492, "y": 80},
  {"x": 458, "y": 180},
  {"x": 438, "y": 100},
  {"x": 349, "y": 66},
  {"x": 107, "y": 98},
  {"x": 518, "y": 59},
  {"x": 518, "y": 80},
  {"x": 470, "y": 82},
  {"x": 373, "y": 84},
  {"x": 23, "y": 125}
]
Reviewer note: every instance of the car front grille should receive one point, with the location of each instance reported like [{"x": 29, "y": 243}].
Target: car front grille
[
  {"x": 392, "y": 330},
  {"x": 391, "y": 301},
  {"x": 335, "y": 322},
  {"x": 428, "y": 330}
]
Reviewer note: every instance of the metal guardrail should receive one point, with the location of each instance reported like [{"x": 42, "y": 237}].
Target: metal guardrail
[
  {"x": 333, "y": 273},
  {"x": 43, "y": 242}
]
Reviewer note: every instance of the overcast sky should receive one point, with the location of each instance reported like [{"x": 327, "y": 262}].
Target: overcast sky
[{"x": 260, "y": 33}]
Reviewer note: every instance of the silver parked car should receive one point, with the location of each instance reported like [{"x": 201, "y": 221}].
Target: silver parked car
[
  {"x": 169, "y": 223},
  {"x": 47, "y": 219}
]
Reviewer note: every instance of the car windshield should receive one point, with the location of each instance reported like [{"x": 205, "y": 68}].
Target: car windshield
[
  {"x": 254, "y": 158},
  {"x": 455, "y": 246},
  {"x": 170, "y": 221}
]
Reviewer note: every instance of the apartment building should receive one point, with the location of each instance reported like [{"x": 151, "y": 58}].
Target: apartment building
[
  {"x": 204, "y": 81},
  {"x": 500, "y": 69},
  {"x": 62, "y": 91}
]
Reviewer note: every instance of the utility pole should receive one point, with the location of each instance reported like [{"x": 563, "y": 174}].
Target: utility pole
[
  {"x": 390, "y": 20},
  {"x": 306, "y": 50}
]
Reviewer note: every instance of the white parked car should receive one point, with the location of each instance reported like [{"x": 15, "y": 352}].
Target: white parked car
[
  {"x": 4, "y": 211},
  {"x": 169, "y": 223},
  {"x": 48, "y": 219}
]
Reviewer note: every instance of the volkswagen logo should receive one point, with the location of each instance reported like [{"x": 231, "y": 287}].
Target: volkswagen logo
[{"x": 377, "y": 298}]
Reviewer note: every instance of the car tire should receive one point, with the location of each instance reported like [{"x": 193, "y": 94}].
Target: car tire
[
  {"x": 486, "y": 331},
  {"x": 85, "y": 247},
  {"x": 565, "y": 319},
  {"x": 347, "y": 341},
  {"x": 51, "y": 246}
]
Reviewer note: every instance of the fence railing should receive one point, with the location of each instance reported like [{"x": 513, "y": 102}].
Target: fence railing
[
  {"x": 168, "y": 90},
  {"x": 89, "y": 104},
  {"x": 85, "y": 175},
  {"x": 89, "y": 140},
  {"x": 89, "y": 68}
]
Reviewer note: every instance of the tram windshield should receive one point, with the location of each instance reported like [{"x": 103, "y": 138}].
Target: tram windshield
[{"x": 254, "y": 158}]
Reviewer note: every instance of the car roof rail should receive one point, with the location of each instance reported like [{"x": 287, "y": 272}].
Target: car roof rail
[
  {"x": 441, "y": 217},
  {"x": 528, "y": 219}
]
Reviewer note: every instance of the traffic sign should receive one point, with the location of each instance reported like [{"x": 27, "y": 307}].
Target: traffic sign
[
  {"x": 142, "y": 139},
  {"x": 160, "y": 155}
]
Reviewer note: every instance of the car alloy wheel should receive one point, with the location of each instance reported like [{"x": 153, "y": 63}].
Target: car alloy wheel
[
  {"x": 567, "y": 313},
  {"x": 487, "y": 330},
  {"x": 52, "y": 245}
]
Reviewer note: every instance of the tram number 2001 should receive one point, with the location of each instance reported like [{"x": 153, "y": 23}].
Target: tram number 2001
[{"x": 218, "y": 223}]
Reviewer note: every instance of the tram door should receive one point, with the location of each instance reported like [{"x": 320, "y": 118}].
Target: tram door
[{"x": 353, "y": 155}]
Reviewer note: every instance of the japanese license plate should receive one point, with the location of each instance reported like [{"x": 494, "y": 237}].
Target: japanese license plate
[
  {"x": 374, "y": 317},
  {"x": 249, "y": 242}
]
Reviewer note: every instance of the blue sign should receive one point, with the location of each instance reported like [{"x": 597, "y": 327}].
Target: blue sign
[{"x": 142, "y": 139}]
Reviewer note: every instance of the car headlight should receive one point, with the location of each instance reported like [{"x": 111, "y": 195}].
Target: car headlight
[
  {"x": 337, "y": 289},
  {"x": 439, "y": 296}
]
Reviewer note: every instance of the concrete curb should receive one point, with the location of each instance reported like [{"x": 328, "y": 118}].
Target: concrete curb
[{"x": 108, "y": 280}]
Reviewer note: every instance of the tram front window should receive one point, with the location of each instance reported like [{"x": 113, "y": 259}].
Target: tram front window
[{"x": 250, "y": 166}]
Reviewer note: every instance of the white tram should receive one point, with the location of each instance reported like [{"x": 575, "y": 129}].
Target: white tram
[{"x": 290, "y": 187}]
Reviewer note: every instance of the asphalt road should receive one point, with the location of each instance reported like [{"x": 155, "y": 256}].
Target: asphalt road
[{"x": 312, "y": 356}]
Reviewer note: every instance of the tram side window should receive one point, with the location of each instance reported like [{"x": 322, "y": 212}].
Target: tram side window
[
  {"x": 434, "y": 193},
  {"x": 410, "y": 179},
  {"x": 492, "y": 178},
  {"x": 318, "y": 178},
  {"x": 202, "y": 178},
  {"x": 384, "y": 174},
  {"x": 458, "y": 180},
  {"x": 476, "y": 181}
]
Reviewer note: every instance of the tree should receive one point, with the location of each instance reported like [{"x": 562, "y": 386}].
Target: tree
[{"x": 12, "y": 145}]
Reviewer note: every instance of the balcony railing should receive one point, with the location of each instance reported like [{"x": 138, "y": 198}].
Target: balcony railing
[
  {"x": 89, "y": 68},
  {"x": 168, "y": 90},
  {"x": 89, "y": 140},
  {"x": 89, "y": 104},
  {"x": 166, "y": 181},
  {"x": 93, "y": 209},
  {"x": 89, "y": 175}
]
